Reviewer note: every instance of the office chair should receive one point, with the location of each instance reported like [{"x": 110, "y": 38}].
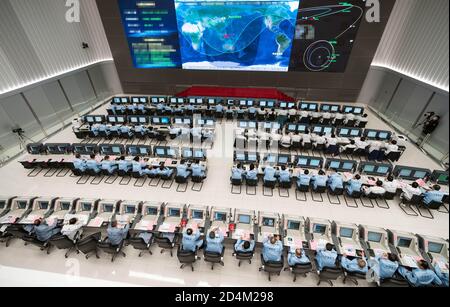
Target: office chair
[
  {"x": 181, "y": 181},
  {"x": 64, "y": 243},
  {"x": 252, "y": 116},
  {"x": 88, "y": 245},
  {"x": 219, "y": 115},
  {"x": 186, "y": 258},
  {"x": 315, "y": 120},
  {"x": 136, "y": 175},
  {"x": 244, "y": 256},
  {"x": 113, "y": 250},
  {"x": 76, "y": 172},
  {"x": 236, "y": 183},
  {"x": 318, "y": 147},
  {"x": 300, "y": 269},
  {"x": 272, "y": 267},
  {"x": 353, "y": 277},
  {"x": 92, "y": 173},
  {"x": 396, "y": 281},
  {"x": 31, "y": 239},
  {"x": 329, "y": 274},
  {"x": 375, "y": 197},
  {"x": 140, "y": 245},
  {"x": 336, "y": 192},
  {"x": 360, "y": 152},
  {"x": 197, "y": 183},
  {"x": 214, "y": 258},
  {"x": 406, "y": 205},
  {"x": 167, "y": 179},
  {"x": 270, "y": 185},
  {"x": 373, "y": 156},
  {"x": 253, "y": 183},
  {"x": 338, "y": 122},
  {"x": 394, "y": 156},
  {"x": 260, "y": 117},
  {"x": 296, "y": 145},
  {"x": 351, "y": 123},
  {"x": 326, "y": 121},
  {"x": 349, "y": 151},
  {"x": 164, "y": 244},
  {"x": 389, "y": 195},
  {"x": 332, "y": 150},
  {"x": 434, "y": 205},
  {"x": 14, "y": 232},
  {"x": 286, "y": 185}
]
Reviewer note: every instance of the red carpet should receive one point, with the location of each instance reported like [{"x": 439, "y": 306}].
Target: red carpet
[{"x": 235, "y": 92}]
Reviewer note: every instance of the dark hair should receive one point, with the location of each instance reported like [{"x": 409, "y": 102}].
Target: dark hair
[
  {"x": 73, "y": 221},
  {"x": 424, "y": 264},
  {"x": 392, "y": 257},
  {"x": 436, "y": 187},
  {"x": 196, "y": 161},
  {"x": 357, "y": 177},
  {"x": 246, "y": 245},
  {"x": 182, "y": 161},
  {"x": 365, "y": 115},
  {"x": 379, "y": 183},
  {"x": 306, "y": 172},
  {"x": 329, "y": 247},
  {"x": 107, "y": 157},
  {"x": 239, "y": 165},
  {"x": 322, "y": 134},
  {"x": 377, "y": 138},
  {"x": 212, "y": 235},
  {"x": 252, "y": 166},
  {"x": 136, "y": 159},
  {"x": 415, "y": 185},
  {"x": 37, "y": 222},
  {"x": 352, "y": 142},
  {"x": 189, "y": 231},
  {"x": 321, "y": 172},
  {"x": 283, "y": 167},
  {"x": 92, "y": 156},
  {"x": 122, "y": 158},
  {"x": 114, "y": 224},
  {"x": 394, "y": 142},
  {"x": 363, "y": 139},
  {"x": 333, "y": 135},
  {"x": 78, "y": 156},
  {"x": 390, "y": 178}
]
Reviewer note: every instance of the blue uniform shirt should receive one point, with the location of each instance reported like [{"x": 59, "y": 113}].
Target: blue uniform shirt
[
  {"x": 430, "y": 196},
  {"x": 117, "y": 235},
  {"x": 335, "y": 182},
  {"x": 352, "y": 266},
  {"x": 166, "y": 172},
  {"x": 219, "y": 108},
  {"x": 269, "y": 174},
  {"x": 191, "y": 242},
  {"x": 385, "y": 268},
  {"x": 44, "y": 232},
  {"x": 240, "y": 248},
  {"x": 419, "y": 277},
  {"x": 124, "y": 165},
  {"x": 319, "y": 181},
  {"x": 109, "y": 166},
  {"x": 326, "y": 259},
  {"x": 353, "y": 186},
  {"x": 285, "y": 176},
  {"x": 237, "y": 173},
  {"x": 182, "y": 171},
  {"x": 215, "y": 245},
  {"x": 442, "y": 276},
  {"x": 303, "y": 179},
  {"x": 93, "y": 165},
  {"x": 137, "y": 167},
  {"x": 293, "y": 259},
  {"x": 79, "y": 164},
  {"x": 198, "y": 170},
  {"x": 272, "y": 252},
  {"x": 252, "y": 175}
]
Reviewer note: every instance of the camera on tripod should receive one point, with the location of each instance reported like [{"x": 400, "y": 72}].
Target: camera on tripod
[{"x": 18, "y": 131}]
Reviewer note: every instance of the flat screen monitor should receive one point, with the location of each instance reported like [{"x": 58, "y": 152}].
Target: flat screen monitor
[
  {"x": 292, "y": 128},
  {"x": 143, "y": 151},
  {"x": 347, "y": 166},
  {"x": 200, "y": 122},
  {"x": 191, "y": 100},
  {"x": 187, "y": 121},
  {"x": 242, "y": 124},
  {"x": 317, "y": 130},
  {"x": 171, "y": 152},
  {"x": 156, "y": 120},
  {"x": 197, "y": 214},
  {"x": 357, "y": 111},
  {"x": 314, "y": 162},
  {"x": 142, "y": 120},
  {"x": 178, "y": 121},
  {"x": 302, "y": 161},
  {"x": 143, "y": 100},
  {"x": 116, "y": 150},
  {"x": 230, "y": 102},
  {"x": 173, "y": 100},
  {"x": 98, "y": 119},
  {"x": 174, "y": 212},
  {"x": 130, "y": 209},
  {"x": 271, "y": 159},
  {"x": 240, "y": 157},
  {"x": 268, "y": 222},
  {"x": 211, "y": 101},
  {"x": 21, "y": 205},
  {"x": 65, "y": 206},
  {"x": 327, "y": 130},
  {"x": 348, "y": 109},
  {"x": 443, "y": 178},
  {"x": 242, "y": 103},
  {"x": 112, "y": 119},
  {"x": 354, "y": 132},
  {"x": 405, "y": 173},
  {"x": 374, "y": 236},
  {"x": 244, "y": 219},
  {"x": 89, "y": 119},
  {"x": 124, "y": 100},
  {"x": 187, "y": 154},
  {"x": 335, "y": 108},
  {"x": 382, "y": 169},
  {"x": 283, "y": 104},
  {"x": 293, "y": 225},
  {"x": 199, "y": 101},
  {"x": 120, "y": 119},
  {"x": 291, "y": 105},
  {"x": 132, "y": 151},
  {"x": 312, "y": 107},
  {"x": 199, "y": 154},
  {"x": 262, "y": 103},
  {"x": 86, "y": 206},
  {"x": 108, "y": 208},
  {"x": 269, "y": 126},
  {"x": 346, "y": 232},
  {"x": 133, "y": 120},
  {"x": 161, "y": 100},
  {"x": 135, "y": 100},
  {"x": 165, "y": 120},
  {"x": 52, "y": 149},
  {"x": 270, "y": 104},
  {"x": 304, "y": 106},
  {"x": 180, "y": 100},
  {"x": 43, "y": 205},
  {"x": 252, "y": 125},
  {"x": 372, "y": 134},
  {"x": 282, "y": 160},
  {"x": 319, "y": 228},
  {"x": 369, "y": 168},
  {"x": 404, "y": 242},
  {"x": 89, "y": 149},
  {"x": 325, "y": 108},
  {"x": 343, "y": 132},
  {"x": 160, "y": 152},
  {"x": 250, "y": 103},
  {"x": 152, "y": 210},
  {"x": 117, "y": 100},
  {"x": 301, "y": 128},
  {"x": 252, "y": 157},
  {"x": 435, "y": 248},
  {"x": 420, "y": 174},
  {"x": 220, "y": 216},
  {"x": 383, "y": 135},
  {"x": 154, "y": 100},
  {"x": 334, "y": 164}
]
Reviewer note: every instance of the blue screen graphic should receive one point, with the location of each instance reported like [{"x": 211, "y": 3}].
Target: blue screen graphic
[{"x": 235, "y": 34}]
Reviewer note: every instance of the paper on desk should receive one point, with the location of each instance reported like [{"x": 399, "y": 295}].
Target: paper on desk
[
  {"x": 421, "y": 182},
  {"x": 378, "y": 252},
  {"x": 8, "y": 219},
  {"x": 51, "y": 221},
  {"x": 146, "y": 225},
  {"x": 294, "y": 243},
  {"x": 97, "y": 222},
  {"x": 167, "y": 227},
  {"x": 410, "y": 261},
  {"x": 320, "y": 244},
  {"x": 241, "y": 233},
  {"x": 3, "y": 228},
  {"x": 30, "y": 219},
  {"x": 349, "y": 250}
]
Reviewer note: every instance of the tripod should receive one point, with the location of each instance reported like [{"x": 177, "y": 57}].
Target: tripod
[{"x": 23, "y": 140}]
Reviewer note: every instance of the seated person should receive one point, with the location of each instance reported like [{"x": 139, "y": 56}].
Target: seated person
[
  {"x": 141, "y": 130},
  {"x": 306, "y": 139},
  {"x": 349, "y": 117},
  {"x": 174, "y": 131},
  {"x": 198, "y": 170},
  {"x": 139, "y": 166},
  {"x": 78, "y": 163},
  {"x": 115, "y": 234},
  {"x": 391, "y": 147},
  {"x": 182, "y": 170},
  {"x": 436, "y": 195},
  {"x": 284, "y": 175},
  {"x": 244, "y": 246},
  {"x": 71, "y": 229},
  {"x": 272, "y": 249},
  {"x": 219, "y": 108},
  {"x": 92, "y": 164},
  {"x": 252, "y": 174},
  {"x": 43, "y": 231},
  {"x": 357, "y": 265},
  {"x": 304, "y": 179},
  {"x": 269, "y": 174},
  {"x": 318, "y": 140},
  {"x": 390, "y": 185},
  {"x": 191, "y": 240},
  {"x": 354, "y": 185},
  {"x": 286, "y": 141},
  {"x": 214, "y": 241},
  {"x": 102, "y": 128},
  {"x": 297, "y": 256},
  {"x": 319, "y": 180},
  {"x": 326, "y": 116},
  {"x": 443, "y": 276},
  {"x": 141, "y": 108},
  {"x": 361, "y": 143},
  {"x": 108, "y": 165},
  {"x": 351, "y": 146},
  {"x": 422, "y": 276},
  {"x": 275, "y": 139},
  {"x": 361, "y": 119},
  {"x": 125, "y": 130},
  {"x": 165, "y": 171},
  {"x": 375, "y": 190},
  {"x": 337, "y": 117},
  {"x": 376, "y": 145},
  {"x": 326, "y": 258},
  {"x": 331, "y": 140},
  {"x": 113, "y": 129},
  {"x": 385, "y": 266},
  {"x": 237, "y": 172},
  {"x": 196, "y": 133},
  {"x": 335, "y": 181},
  {"x": 124, "y": 165},
  {"x": 295, "y": 138},
  {"x": 410, "y": 190},
  {"x": 94, "y": 129}
]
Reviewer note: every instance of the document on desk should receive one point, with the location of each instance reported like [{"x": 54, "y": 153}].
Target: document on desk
[
  {"x": 238, "y": 233},
  {"x": 320, "y": 244},
  {"x": 81, "y": 218},
  {"x": 349, "y": 250},
  {"x": 410, "y": 261},
  {"x": 294, "y": 243},
  {"x": 30, "y": 219},
  {"x": 3, "y": 228},
  {"x": 167, "y": 227},
  {"x": 97, "y": 222},
  {"x": 145, "y": 225},
  {"x": 8, "y": 219},
  {"x": 378, "y": 252},
  {"x": 442, "y": 263}
]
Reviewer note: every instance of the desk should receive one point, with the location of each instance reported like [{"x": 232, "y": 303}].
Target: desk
[{"x": 294, "y": 242}]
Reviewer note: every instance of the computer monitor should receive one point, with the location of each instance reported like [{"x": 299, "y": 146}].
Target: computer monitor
[
  {"x": 348, "y": 109},
  {"x": 319, "y": 228},
  {"x": 174, "y": 212},
  {"x": 180, "y": 100},
  {"x": 268, "y": 125},
  {"x": 244, "y": 219},
  {"x": 354, "y": 132},
  {"x": 165, "y": 120},
  {"x": 292, "y": 128},
  {"x": 152, "y": 210},
  {"x": 132, "y": 151},
  {"x": 327, "y": 130},
  {"x": 124, "y": 100},
  {"x": 357, "y": 110},
  {"x": 405, "y": 173},
  {"x": 314, "y": 162},
  {"x": 161, "y": 99},
  {"x": 282, "y": 160},
  {"x": 117, "y": 100},
  {"x": 334, "y": 164},
  {"x": 242, "y": 103},
  {"x": 262, "y": 103},
  {"x": 156, "y": 120},
  {"x": 252, "y": 125},
  {"x": 178, "y": 121},
  {"x": 252, "y": 158},
  {"x": 133, "y": 120},
  {"x": 171, "y": 152},
  {"x": 312, "y": 107},
  {"x": 301, "y": 128},
  {"x": 187, "y": 121},
  {"x": 420, "y": 174},
  {"x": 372, "y": 134},
  {"x": 142, "y": 120},
  {"x": 347, "y": 166},
  {"x": 209, "y": 122},
  {"x": 293, "y": 225},
  {"x": 374, "y": 236},
  {"x": 89, "y": 148},
  {"x": 199, "y": 101},
  {"x": 335, "y": 108},
  {"x": 120, "y": 119},
  {"x": 325, "y": 108},
  {"x": 112, "y": 119},
  {"x": 382, "y": 170},
  {"x": 317, "y": 129},
  {"x": 304, "y": 106},
  {"x": 220, "y": 216},
  {"x": 404, "y": 242},
  {"x": 143, "y": 151},
  {"x": 230, "y": 102},
  {"x": 154, "y": 100},
  {"x": 211, "y": 101},
  {"x": 383, "y": 135},
  {"x": 130, "y": 209},
  {"x": 197, "y": 214},
  {"x": 268, "y": 222},
  {"x": 191, "y": 100},
  {"x": 116, "y": 150},
  {"x": 98, "y": 119},
  {"x": 270, "y": 104},
  {"x": 22, "y": 205},
  {"x": 64, "y": 206},
  {"x": 283, "y": 104},
  {"x": 89, "y": 119},
  {"x": 52, "y": 149},
  {"x": 199, "y": 154},
  {"x": 108, "y": 208},
  {"x": 302, "y": 162},
  {"x": 242, "y": 124},
  {"x": 43, "y": 205},
  {"x": 271, "y": 159},
  {"x": 343, "y": 132},
  {"x": 435, "y": 248},
  {"x": 291, "y": 105},
  {"x": 443, "y": 178},
  {"x": 187, "y": 153},
  {"x": 160, "y": 151},
  {"x": 200, "y": 122},
  {"x": 346, "y": 232},
  {"x": 173, "y": 100},
  {"x": 143, "y": 100},
  {"x": 135, "y": 100},
  {"x": 86, "y": 207},
  {"x": 369, "y": 168},
  {"x": 240, "y": 157}
]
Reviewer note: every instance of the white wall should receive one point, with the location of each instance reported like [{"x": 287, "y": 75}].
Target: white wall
[{"x": 36, "y": 41}]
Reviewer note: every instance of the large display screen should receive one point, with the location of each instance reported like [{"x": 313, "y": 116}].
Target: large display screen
[{"x": 251, "y": 35}]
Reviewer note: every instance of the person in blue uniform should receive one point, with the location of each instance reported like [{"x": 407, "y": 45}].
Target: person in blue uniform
[
  {"x": 237, "y": 173},
  {"x": 385, "y": 266},
  {"x": 354, "y": 185},
  {"x": 272, "y": 249},
  {"x": 319, "y": 180},
  {"x": 433, "y": 196},
  {"x": 191, "y": 240},
  {"x": 284, "y": 175},
  {"x": 198, "y": 170},
  {"x": 108, "y": 165},
  {"x": 252, "y": 173},
  {"x": 304, "y": 179},
  {"x": 93, "y": 164},
  {"x": 443, "y": 276},
  {"x": 124, "y": 165},
  {"x": 335, "y": 181},
  {"x": 269, "y": 174},
  {"x": 115, "y": 234},
  {"x": 297, "y": 256},
  {"x": 214, "y": 241},
  {"x": 422, "y": 276},
  {"x": 326, "y": 258},
  {"x": 182, "y": 170},
  {"x": 244, "y": 246},
  {"x": 356, "y": 265},
  {"x": 165, "y": 171},
  {"x": 43, "y": 231},
  {"x": 78, "y": 163}
]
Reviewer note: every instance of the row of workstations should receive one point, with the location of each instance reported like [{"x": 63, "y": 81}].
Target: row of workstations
[
  {"x": 45, "y": 155},
  {"x": 171, "y": 218},
  {"x": 245, "y": 103}
]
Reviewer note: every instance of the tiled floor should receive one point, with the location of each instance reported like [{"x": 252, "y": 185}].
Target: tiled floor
[{"x": 21, "y": 265}]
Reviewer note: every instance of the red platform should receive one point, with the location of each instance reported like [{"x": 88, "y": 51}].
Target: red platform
[{"x": 235, "y": 92}]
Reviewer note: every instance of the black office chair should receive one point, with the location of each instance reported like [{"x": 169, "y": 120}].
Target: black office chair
[
  {"x": 77, "y": 172},
  {"x": 92, "y": 173},
  {"x": 261, "y": 117},
  {"x": 353, "y": 277},
  {"x": 319, "y": 189},
  {"x": 389, "y": 195},
  {"x": 234, "y": 184},
  {"x": 14, "y": 232},
  {"x": 165, "y": 244},
  {"x": 269, "y": 185},
  {"x": 329, "y": 274},
  {"x": 136, "y": 175},
  {"x": 318, "y": 147},
  {"x": 182, "y": 182},
  {"x": 244, "y": 256},
  {"x": 397, "y": 281},
  {"x": 32, "y": 239},
  {"x": 360, "y": 152},
  {"x": 214, "y": 258},
  {"x": 251, "y": 183},
  {"x": 394, "y": 156},
  {"x": 167, "y": 180},
  {"x": 113, "y": 250},
  {"x": 338, "y": 122},
  {"x": 186, "y": 258},
  {"x": 326, "y": 121},
  {"x": 296, "y": 145},
  {"x": 303, "y": 188},
  {"x": 88, "y": 245},
  {"x": 300, "y": 269},
  {"x": 336, "y": 192},
  {"x": 348, "y": 151},
  {"x": 140, "y": 245},
  {"x": 332, "y": 150},
  {"x": 406, "y": 205},
  {"x": 64, "y": 243},
  {"x": 350, "y": 123},
  {"x": 373, "y": 156},
  {"x": 286, "y": 185},
  {"x": 272, "y": 267}
]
